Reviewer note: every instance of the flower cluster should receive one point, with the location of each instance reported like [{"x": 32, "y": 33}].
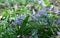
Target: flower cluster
[
  {"x": 22, "y": 18},
  {"x": 19, "y": 20}
]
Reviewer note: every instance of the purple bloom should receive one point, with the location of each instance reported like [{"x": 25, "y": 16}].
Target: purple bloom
[
  {"x": 54, "y": 11},
  {"x": 58, "y": 33},
  {"x": 59, "y": 13},
  {"x": 43, "y": 12},
  {"x": 28, "y": 6},
  {"x": 41, "y": 2},
  {"x": 14, "y": 23},
  {"x": 35, "y": 18},
  {"x": 44, "y": 23},
  {"x": 22, "y": 17},
  {"x": 58, "y": 22},
  {"x": 19, "y": 22}
]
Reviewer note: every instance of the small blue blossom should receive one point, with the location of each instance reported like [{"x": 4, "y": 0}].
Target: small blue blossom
[
  {"x": 58, "y": 13},
  {"x": 35, "y": 18},
  {"x": 43, "y": 12},
  {"x": 44, "y": 23},
  {"x": 58, "y": 33},
  {"x": 22, "y": 17},
  {"x": 54, "y": 11},
  {"x": 14, "y": 23},
  {"x": 41, "y": 2},
  {"x": 18, "y": 22},
  {"x": 58, "y": 22}
]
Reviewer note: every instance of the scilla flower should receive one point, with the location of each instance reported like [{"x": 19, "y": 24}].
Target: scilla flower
[
  {"x": 43, "y": 12},
  {"x": 58, "y": 33},
  {"x": 22, "y": 17},
  {"x": 17, "y": 22},
  {"x": 41, "y": 2}
]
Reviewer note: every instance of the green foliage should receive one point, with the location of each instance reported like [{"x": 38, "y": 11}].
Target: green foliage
[
  {"x": 47, "y": 3},
  {"x": 33, "y": 25}
]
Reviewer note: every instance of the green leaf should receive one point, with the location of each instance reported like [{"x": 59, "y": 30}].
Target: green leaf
[{"x": 47, "y": 3}]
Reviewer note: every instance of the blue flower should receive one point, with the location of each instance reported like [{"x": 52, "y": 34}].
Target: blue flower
[
  {"x": 45, "y": 23},
  {"x": 58, "y": 33},
  {"x": 35, "y": 18},
  {"x": 14, "y": 23},
  {"x": 58, "y": 22},
  {"x": 19, "y": 22},
  {"x": 59, "y": 13},
  {"x": 54, "y": 11},
  {"x": 22, "y": 17},
  {"x": 41, "y": 2},
  {"x": 43, "y": 12}
]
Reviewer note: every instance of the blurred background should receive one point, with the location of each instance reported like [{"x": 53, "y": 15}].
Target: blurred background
[{"x": 29, "y": 18}]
